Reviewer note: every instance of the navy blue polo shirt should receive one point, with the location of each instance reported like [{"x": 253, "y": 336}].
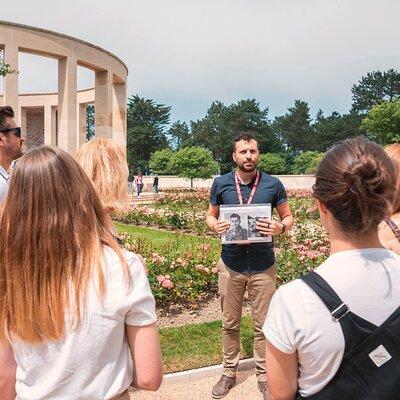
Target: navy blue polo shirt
[{"x": 254, "y": 257}]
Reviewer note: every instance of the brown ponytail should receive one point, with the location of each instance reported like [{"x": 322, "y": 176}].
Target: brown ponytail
[{"x": 356, "y": 182}]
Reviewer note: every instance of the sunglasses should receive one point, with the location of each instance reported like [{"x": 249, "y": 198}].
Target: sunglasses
[{"x": 16, "y": 130}]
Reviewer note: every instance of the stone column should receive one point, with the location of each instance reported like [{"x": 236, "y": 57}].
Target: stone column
[
  {"x": 10, "y": 97},
  {"x": 50, "y": 125},
  {"x": 82, "y": 124},
  {"x": 22, "y": 121},
  {"x": 103, "y": 104},
  {"x": 67, "y": 98},
  {"x": 119, "y": 113}
]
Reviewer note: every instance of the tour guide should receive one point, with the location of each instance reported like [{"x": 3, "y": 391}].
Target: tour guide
[{"x": 248, "y": 267}]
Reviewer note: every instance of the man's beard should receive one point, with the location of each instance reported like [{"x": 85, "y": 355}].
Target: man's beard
[{"x": 248, "y": 169}]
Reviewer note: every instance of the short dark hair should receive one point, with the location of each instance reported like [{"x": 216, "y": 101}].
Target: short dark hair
[
  {"x": 235, "y": 216},
  {"x": 5, "y": 111},
  {"x": 356, "y": 181},
  {"x": 246, "y": 136}
]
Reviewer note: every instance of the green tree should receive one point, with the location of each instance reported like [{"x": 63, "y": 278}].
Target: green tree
[
  {"x": 90, "y": 133},
  {"x": 382, "y": 123},
  {"x": 222, "y": 123},
  {"x": 147, "y": 123},
  {"x": 194, "y": 162},
  {"x": 306, "y": 162},
  {"x": 180, "y": 134},
  {"x": 6, "y": 69},
  {"x": 272, "y": 163},
  {"x": 161, "y": 162},
  {"x": 294, "y": 128},
  {"x": 375, "y": 88},
  {"x": 329, "y": 130}
]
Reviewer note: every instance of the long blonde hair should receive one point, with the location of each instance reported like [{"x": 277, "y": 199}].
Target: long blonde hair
[
  {"x": 104, "y": 161},
  {"x": 53, "y": 229},
  {"x": 393, "y": 151}
]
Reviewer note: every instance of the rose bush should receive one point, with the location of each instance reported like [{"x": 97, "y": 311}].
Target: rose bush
[{"x": 177, "y": 276}]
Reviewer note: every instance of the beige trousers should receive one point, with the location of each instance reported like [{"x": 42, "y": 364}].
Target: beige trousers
[{"x": 231, "y": 287}]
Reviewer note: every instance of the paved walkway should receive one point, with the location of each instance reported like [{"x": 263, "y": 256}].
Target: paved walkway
[{"x": 245, "y": 389}]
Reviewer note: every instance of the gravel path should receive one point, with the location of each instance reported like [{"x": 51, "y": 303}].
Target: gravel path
[{"x": 245, "y": 389}]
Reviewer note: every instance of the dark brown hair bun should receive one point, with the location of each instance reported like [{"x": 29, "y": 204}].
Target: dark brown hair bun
[{"x": 356, "y": 182}]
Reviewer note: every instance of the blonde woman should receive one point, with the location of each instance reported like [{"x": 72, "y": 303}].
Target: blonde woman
[
  {"x": 76, "y": 311},
  {"x": 389, "y": 232},
  {"x": 104, "y": 161}
]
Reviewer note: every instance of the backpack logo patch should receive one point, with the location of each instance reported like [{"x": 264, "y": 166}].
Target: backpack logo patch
[{"x": 380, "y": 356}]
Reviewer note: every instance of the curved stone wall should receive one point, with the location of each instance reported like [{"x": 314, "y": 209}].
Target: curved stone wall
[{"x": 64, "y": 113}]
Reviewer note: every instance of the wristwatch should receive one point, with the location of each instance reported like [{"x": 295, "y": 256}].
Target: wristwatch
[{"x": 283, "y": 227}]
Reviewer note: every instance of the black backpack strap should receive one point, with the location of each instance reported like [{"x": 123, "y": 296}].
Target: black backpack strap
[
  {"x": 355, "y": 329},
  {"x": 328, "y": 296}
]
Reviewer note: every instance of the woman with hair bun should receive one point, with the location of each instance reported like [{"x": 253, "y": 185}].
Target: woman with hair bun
[
  {"x": 389, "y": 231},
  {"x": 334, "y": 334}
]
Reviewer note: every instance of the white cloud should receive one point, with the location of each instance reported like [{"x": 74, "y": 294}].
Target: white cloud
[{"x": 187, "y": 53}]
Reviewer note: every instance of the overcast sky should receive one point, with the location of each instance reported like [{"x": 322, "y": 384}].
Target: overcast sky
[{"x": 187, "y": 53}]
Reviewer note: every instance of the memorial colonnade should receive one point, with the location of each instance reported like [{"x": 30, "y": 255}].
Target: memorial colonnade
[{"x": 65, "y": 111}]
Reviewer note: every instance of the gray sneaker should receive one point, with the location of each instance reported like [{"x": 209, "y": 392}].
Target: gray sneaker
[
  {"x": 223, "y": 386},
  {"x": 262, "y": 385}
]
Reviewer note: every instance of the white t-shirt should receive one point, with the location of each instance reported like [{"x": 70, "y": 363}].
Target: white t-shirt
[
  {"x": 3, "y": 183},
  {"x": 94, "y": 361},
  {"x": 367, "y": 280}
]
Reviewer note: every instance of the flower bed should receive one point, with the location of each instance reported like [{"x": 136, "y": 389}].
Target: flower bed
[
  {"x": 192, "y": 199},
  {"x": 164, "y": 218},
  {"x": 185, "y": 276},
  {"x": 177, "y": 276},
  {"x": 185, "y": 211}
]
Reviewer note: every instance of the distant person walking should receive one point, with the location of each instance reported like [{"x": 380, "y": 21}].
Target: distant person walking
[
  {"x": 139, "y": 183},
  {"x": 155, "y": 184},
  {"x": 244, "y": 267},
  {"x": 11, "y": 141}
]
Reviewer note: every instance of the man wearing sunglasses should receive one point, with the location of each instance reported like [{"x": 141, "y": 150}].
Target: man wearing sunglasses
[{"x": 11, "y": 142}]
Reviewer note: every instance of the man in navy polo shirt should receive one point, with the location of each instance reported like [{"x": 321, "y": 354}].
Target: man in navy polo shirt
[{"x": 244, "y": 267}]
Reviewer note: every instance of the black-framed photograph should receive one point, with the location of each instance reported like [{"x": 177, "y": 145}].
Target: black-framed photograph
[{"x": 243, "y": 222}]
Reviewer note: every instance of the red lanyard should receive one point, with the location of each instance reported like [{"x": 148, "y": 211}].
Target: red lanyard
[{"x": 253, "y": 191}]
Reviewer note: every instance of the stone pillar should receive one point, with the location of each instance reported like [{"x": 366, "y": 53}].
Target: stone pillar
[
  {"x": 119, "y": 113},
  {"x": 103, "y": 104},
  {"x": 50, "y": 125},
  {"x": 10, "y": 97},
  {"x": 67, "y": 98},
  {"x": 22, "y": 121},
  {"x": 81, "y": 124}
]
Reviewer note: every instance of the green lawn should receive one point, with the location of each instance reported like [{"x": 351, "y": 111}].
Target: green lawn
[
  {"x": 199, "y": 345},
  {"x": 159, "y": 237}
]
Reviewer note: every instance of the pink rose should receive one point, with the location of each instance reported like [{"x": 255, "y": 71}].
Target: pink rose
[{"x": 166, "y": 283}]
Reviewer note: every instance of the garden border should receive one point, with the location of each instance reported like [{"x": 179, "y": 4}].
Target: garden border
[{"x": 204, "y": 372}]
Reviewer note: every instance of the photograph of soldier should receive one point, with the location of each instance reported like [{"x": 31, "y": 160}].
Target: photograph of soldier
[
  {"x": 252, "y": 226},
  {"x": 236, "y": 231}
]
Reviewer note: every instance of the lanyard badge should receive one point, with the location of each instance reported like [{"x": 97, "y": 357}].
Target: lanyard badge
[{"x": 253, "y": 190}]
